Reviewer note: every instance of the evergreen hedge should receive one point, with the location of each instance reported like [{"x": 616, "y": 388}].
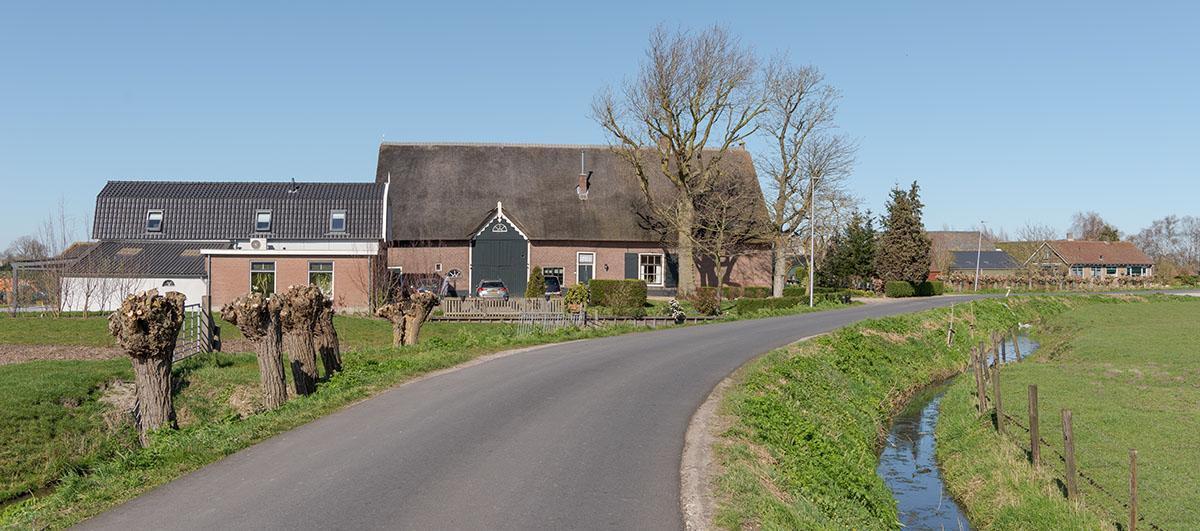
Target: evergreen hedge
[
  {"x": 899, "y": 288},
  {"x": 618, "y": 294}
]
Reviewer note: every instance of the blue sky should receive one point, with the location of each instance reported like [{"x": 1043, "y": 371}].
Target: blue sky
[{"x": 1005, "y": 111}]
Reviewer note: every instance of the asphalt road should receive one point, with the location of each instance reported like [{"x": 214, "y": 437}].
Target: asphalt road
[{"x": 581, "y": 435}]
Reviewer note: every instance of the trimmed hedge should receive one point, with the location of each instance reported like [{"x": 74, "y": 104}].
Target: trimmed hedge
[
  {"x": 623, "y": 294},
  {"x": 899, "y": 288},
  {"x": 745, "y": 306},
  {"x": 745, "y": 292},
  {"x": 930, "y": 288},
  {"x": 705, "y": 301}
]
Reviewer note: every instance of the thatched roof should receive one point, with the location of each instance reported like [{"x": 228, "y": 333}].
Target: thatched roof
[{"x": 444, "y": 191}]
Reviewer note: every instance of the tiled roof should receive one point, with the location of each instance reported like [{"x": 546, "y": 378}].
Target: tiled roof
[
  {"x": 226, "y": 210},
  {"x": 956, "y": 240},
  {"x": 1093, "y": 252},
  {"x": 140, "y": 259},
  {"x": 988, "y": 260}
]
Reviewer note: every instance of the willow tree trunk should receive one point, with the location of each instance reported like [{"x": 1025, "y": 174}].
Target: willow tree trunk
[
  {"x": 327, "y": 341},
  {"x": 146, "y": 326},
  {"x": 301, "y": 306},
  {"x": 257, "y": 317},
  {"x": 270, "y": 366},
  {"x": 415, "y": 315}
]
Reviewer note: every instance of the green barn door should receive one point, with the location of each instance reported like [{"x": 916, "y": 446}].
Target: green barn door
[{"x": 500, "y": 253}]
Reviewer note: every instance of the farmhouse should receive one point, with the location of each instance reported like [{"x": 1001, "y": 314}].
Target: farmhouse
[
  {"x": 474, "y": 212},
  {"x": 224, "y": 239},
  {"x": 945, "y": 243},
  {"x": 1093, "y": 259},
  {"x": 993, "y": 263}
]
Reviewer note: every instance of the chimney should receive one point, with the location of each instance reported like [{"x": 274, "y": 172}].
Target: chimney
[
  {"x": 1070, "y": 237},
  {"x": 581, "y": 189}
]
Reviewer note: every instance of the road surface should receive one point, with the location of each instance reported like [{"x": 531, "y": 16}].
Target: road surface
[{"x": 584, "y": 435}]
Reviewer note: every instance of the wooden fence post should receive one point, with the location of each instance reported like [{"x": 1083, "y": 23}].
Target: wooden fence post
[
  {"x": 1069, "y": 450},
  {"x": 1016, "y": 347},
  {"x": 1133, "y": 490},
  {"x": 996, "y": 391},
  {"x": 1003, "y": 350},
  {"x": 1035, "y": 450},
  {"x": 206, "y": 324},
  {"x": 980, "y": 390}
]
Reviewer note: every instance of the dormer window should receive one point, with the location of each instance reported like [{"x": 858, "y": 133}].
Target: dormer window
[
  {"x": 262, "y": 221},
  {"x": 337, "y": 221},
  {"x": 154, "y": 221}
]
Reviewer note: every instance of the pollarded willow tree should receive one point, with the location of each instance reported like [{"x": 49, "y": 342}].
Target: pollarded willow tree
[
  {"x": 408, "y": 316},
  {"x": 146, "y": 327},
  {"x": 696, "y": 97},
  {"x": 301, "y": 306},
  {"x": 257, "y": 317},
  {"x": 328, "y": 345}
]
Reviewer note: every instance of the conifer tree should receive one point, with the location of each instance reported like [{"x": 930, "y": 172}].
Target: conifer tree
[
  {"x": 903, "y": 251},
  {"x": 851, "y": 258}
]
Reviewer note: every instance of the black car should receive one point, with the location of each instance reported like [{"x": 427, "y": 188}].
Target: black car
[{"x": 553, "y": 287}]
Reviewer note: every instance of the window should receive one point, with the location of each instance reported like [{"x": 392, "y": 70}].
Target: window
[
  {"x": 320, "y": 274},
  {"x": 262, "y": 277},
  {"x": 585, "y": 267},
  {"x": 437, "y": 267},
  {"x": 154, "y": 221},
  {"x": 454, "y": 273},
  {"x": 168, "y": 284},
  {"x": 1111, "y": 271},
  {"x": 337, "y": 221},
  {"x": 262, "y": 221},
  {"x": 556, "y": 272},
  {"x": 650, "y": 269},
  {"x": 1077, "y": 271},
  {"x": 1095, "y": 272},
  {"x": 1136, "y": 271}
]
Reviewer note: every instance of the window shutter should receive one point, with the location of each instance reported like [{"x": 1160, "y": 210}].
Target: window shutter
[
  {"x": 672, "y": 275},
  {"x": 631, "y": 265}
]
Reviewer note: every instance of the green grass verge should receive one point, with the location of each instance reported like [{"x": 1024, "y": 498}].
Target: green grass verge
[
  {"x": 805, "y": 420},
  {"x": 47, "y": 330},
  {"x": 1128, "y": 373}
]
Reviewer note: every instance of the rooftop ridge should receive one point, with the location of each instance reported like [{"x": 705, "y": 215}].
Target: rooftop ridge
[{"x": 496, "y": 144}]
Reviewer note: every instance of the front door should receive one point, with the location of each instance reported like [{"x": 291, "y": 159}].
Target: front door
[{"x": 499, "y": 252}]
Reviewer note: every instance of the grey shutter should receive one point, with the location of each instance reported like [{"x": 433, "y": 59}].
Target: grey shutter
[
  {"x": 631, "y": 265},
  {"x": 672, "y": 279}
]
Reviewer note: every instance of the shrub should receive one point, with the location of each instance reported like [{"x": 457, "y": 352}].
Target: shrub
[
  {"x": 795, "y": 291},
  {"x": 899, "y": 288},
  {"x": 577, "y": 295},
  {"x": 745, "y": 292},
  {"x": 930, "y": 288},
  {"x": 705, "y": 301},
  {"x": 675, "y": 310},
  {"x": 746, "y": 306},
  {"x": 618, "y": 293},
  {"x": 537, "y": 284}
]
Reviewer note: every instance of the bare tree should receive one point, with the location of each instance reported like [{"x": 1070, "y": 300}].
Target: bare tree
[
  {"x": 826, "y": 160},
  {"x": 257, "y": 317},
  {"x": 408, "y": 315},
  {"x": 728, "y": 224},
  {"x": 1090, "y": 226},
  {"x": 1033, "y": 232},
  {"x": 301, "y": 307},
  {"x": 1174, "y": 243},
  {"x": 146, "y": 326},
  {"x": 695, "y": 98},
  {"x": 800, "y": 106}
]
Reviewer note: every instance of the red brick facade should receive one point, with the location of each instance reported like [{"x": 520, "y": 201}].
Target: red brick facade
[{"x": 351, "y": 277}]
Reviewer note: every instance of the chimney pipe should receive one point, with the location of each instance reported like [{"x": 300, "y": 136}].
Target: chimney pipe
[{"x": 582, "y": 188}]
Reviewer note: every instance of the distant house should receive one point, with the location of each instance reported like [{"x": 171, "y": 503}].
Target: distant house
[
  {"x": 225, "y": 239},
  {"x": 944, "y": 243},
  {"x": 992, "y": 263},
  {"x": 473, "y": 212},
  {"x": 1093, "y": 259}
]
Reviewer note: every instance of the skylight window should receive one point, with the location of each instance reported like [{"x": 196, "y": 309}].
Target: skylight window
[
  {"x": 337, "y": 221},
  {"x": 262, "y": 221},
  {"x": 154, "y": 221}
]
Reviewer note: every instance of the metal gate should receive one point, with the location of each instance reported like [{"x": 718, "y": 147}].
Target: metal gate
[{"x": 195, "y": 336}]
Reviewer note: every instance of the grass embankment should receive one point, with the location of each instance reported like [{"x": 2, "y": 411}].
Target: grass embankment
[
  {"x": 806, "y": 420},
  {"x": 1129, "y": 373}
]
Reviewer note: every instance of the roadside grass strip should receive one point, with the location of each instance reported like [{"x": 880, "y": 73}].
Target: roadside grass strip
[
  {"x": 1129, "y": 374},
  {"x": 805, "y": 421}
]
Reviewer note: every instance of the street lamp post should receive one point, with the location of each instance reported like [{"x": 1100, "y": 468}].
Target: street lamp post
[{"x": 978, "y": 254}]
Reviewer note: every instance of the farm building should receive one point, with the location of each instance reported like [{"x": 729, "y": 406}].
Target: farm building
[
  {"x": 224, "y": 239},
  {"x": 945, "y": 243},
  {"x": 473, "y": 212},
  {"x": 993, "y": 263},
  {"x": 1093, "y": 259}
]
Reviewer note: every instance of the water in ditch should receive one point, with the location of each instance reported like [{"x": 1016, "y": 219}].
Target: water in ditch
[{"x": 908, "y": 464}]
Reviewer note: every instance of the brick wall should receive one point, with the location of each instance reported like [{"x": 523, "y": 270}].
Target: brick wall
[{"x": 351, "y": 277}]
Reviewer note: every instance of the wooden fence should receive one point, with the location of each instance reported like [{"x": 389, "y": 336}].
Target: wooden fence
[
  {"x": 1030, "y": 438},
  {"x": 514, "y": 307}
]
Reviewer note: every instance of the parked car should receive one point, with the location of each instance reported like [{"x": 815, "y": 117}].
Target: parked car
[
  {"x": 491, "y": 289},
  {"x": 552, "y": 286}
]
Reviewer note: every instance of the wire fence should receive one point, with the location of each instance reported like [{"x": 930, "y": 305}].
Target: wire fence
[{"x": 987, "y": 363}]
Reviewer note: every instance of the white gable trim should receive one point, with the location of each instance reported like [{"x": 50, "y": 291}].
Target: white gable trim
[{"x": 500, "y": 215}]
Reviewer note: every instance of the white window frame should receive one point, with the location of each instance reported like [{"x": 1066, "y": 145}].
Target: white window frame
[
  {"x": 332, "y": 274},
  {"x": 662, "y": 269},
  {"x": 1077, "y": 270},
  {"x": 578, "y": 263},
  {"x": 150, "y": 215},
  {"x": 257, "y": 216},
  {"x": 1141, "y": 271},
  {"x": 274, "y": 274},
  {"x": 1111, "y": 271},
  {"x": 335, "y": 214}
]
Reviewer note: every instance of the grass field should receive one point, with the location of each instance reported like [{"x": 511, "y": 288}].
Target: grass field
[
  {"x": 1129, "y": 373},
  {"x": 805, "y": 420}
]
